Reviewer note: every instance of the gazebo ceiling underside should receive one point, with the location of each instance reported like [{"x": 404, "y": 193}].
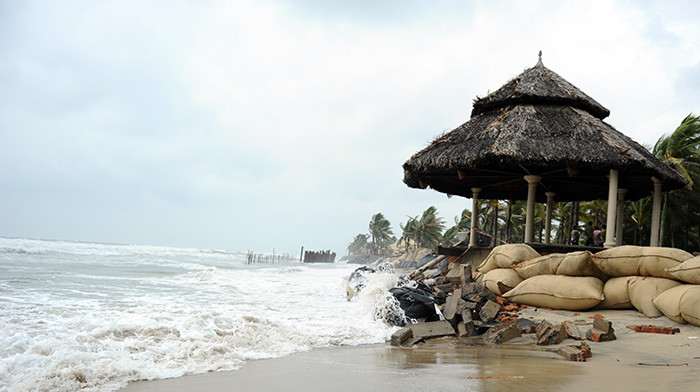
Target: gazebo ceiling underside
[{"x": 571, "y": 149}]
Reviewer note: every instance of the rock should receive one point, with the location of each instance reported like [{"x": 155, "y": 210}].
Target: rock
[
  {"x": 453, "y": 275},
  {"x": 502, "y": 333},
  {"x": 401, "y": 336},
  {"x": 432, "y": 329},
  {"x": 602, "y": 331},
  {"x": 547, "y": 333},
  {"x": 489, "y": 311},
  {"x": 475, "y": 292}
]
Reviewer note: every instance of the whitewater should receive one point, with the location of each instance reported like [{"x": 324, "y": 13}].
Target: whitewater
[{"x": 92, "y": 317}]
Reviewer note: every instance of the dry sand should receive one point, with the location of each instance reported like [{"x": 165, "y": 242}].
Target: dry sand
[{"x": 448, "y": 365}]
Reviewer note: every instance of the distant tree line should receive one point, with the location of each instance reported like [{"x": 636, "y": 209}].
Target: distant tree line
[{"x": 504, "y": 220}]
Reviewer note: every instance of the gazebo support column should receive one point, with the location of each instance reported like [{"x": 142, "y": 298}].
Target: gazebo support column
[
  {"x": 548, "y": 226},
  {"x": 620, "y": 215},
  {"x": 475, "y": 216},
  {"x": 532, "y": 182},
  {"x": 656, "y": 213},
  {"x": 612, "y": 209}
]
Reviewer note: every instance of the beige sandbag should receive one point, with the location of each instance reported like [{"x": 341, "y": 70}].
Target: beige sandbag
[
  {"x": 669, "y": 302},
  {"x": 617, "y": 294},
  {"x": 688, "y": 271},
  {"x": 501, "y": 280},
  {"x": 632, "y": 260},
  {"x": 558, "y": 292},
  {"x": 643, "y": 289},
  {"x": 690, "y": 306},
  {"x": 543, "y": 265},
  {"x": 504, "y": 256}
]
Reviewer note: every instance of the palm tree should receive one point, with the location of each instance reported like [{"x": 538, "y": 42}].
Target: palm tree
[
  {"x": 380, "y": 231},
  {"x": 409, "y": 232},
  {"x": 681, "y": 150},
  {"x": 359, "y": 246},
  {"x": 429, "y": 228}
]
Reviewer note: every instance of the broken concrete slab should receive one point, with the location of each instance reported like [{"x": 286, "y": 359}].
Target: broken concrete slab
[
  {"x": 602, "y": 331},
  {"x": 401, "y": 336},
  {"x": 489, "y": 311},
  {"x": 432, "y": 329},
  {"x": 451, "y": 304},
  {"x": 453, "y": 275},
  {"x": 572, "y": 330},
  {"x": 466, "y": 329},
  {"x": 527, "y": 326},
  {"x": 576, "y": 353},
  {"x": 502, "y": 333},
  {"x": 465, "y": 274},
  {"x": 547, "y": 333}
]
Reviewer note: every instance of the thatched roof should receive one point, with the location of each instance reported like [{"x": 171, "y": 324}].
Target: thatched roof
[{"x": 538, "y": 123}]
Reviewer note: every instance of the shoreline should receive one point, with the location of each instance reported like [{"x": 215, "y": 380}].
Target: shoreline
[{"x": 635, "y": 361}]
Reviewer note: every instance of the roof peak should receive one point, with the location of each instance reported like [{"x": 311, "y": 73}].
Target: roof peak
[{"x": 539, "y": 60}]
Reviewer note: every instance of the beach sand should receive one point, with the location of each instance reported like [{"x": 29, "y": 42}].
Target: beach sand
[{"x": 449, "y": 365}]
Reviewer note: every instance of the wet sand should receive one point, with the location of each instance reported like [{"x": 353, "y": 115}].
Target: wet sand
[{"x": 449, "y": 365}]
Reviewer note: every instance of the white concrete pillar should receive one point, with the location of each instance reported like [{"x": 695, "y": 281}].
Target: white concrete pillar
[
  {"x": 656, "y": 213},
  {"x": 548, "y": 222},
  {"x": 620, "y": 215},
  {"x": 612, "y": 209},
  {"x": 530, "y": 212},
  {"x": 475, "y": 216}
]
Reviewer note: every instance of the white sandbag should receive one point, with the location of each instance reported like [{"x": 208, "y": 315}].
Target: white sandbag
[
  {"x": 688, "y": 271},
  {"x": 631, "y": 260},
  {"x": 669, "y": 302},
  {"x": 643, "y": 289},
  {"x": 690, "y": 306},
  {"x": 558, "y": 292},
  {"x": 501, "y": 280},
  {"x": 617, "y": 293},
  {"x": 504, "y": 256}
]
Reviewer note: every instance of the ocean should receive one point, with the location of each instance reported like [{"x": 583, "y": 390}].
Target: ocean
[{"x": 92, "y": 317}]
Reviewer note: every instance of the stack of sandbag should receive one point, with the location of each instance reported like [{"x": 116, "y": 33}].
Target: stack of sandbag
[
  {"x": 568, "y": 281},
  {"x": 682, "y": 303},
  {"x": 638, "y": 275},
  {"x": 495, "y": 271}
]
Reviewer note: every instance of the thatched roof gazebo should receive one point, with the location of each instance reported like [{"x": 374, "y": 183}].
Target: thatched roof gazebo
[{"x": 536, "y": 138}]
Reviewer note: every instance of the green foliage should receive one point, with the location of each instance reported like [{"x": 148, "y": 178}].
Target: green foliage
[
  {"x": 380, "y": 232},
  {"x": 360, "y": 245}
]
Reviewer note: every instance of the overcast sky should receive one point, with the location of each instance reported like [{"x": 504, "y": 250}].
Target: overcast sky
[{"x": 274, "y": 124}]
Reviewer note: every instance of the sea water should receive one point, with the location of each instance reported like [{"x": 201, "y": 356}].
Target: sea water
[{"x": 92, "y": 317}]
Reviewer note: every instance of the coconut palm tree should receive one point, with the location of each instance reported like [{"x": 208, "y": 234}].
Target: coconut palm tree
[
  {"x": 681, "y": 150},
  {"x": 359, "y": 246},
  {"x": 380, "y": 231},
  {"x": 429, "y": 228}
]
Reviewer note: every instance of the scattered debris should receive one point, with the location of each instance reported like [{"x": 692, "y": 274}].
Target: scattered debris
[
  {"x": 401, "y": 336},
  {"x": 489, "y": 311},
  {"x": 654, "y": 329},
  {"x": 547, "y": 333},
  {"x": 572, "y": 330},
  {"x": 576, "y": 353},
  {"x": 602, "y": 331},
  {"x": 502, "y": 333},
  {"x": 662, "y": 364}
]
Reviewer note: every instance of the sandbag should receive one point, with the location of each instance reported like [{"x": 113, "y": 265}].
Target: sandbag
[
  {"x": 632, "y": 260},
  {"x": 688, "y": 271},
  {"x": 690, "y": 306},
  {"x": 504, "y": 256},
  {"x": 669, "y": 302},
  {"x": 501, "y": 280},
  {"x": 558, "y": 292},
  {"x": 643, "y": 289},
  {"x": 570, "y": 264},
  {"x": 617, "y": 294}
]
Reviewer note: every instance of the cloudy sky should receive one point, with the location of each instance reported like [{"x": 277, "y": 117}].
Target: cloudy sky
[{"x": 275, "y": 124}]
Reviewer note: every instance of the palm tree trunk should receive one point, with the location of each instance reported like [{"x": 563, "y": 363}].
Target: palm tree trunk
[
  {"x": 508, "y": 221},
  {"x": 664, "y": 216}
]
